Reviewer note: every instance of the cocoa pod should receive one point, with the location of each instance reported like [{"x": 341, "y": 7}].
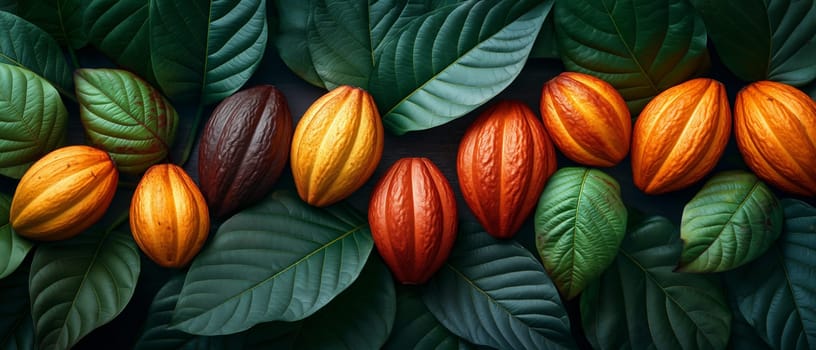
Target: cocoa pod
[
  {"x": 503, "y": 163},
  {"x": 587, "y": 119},
  {"x": 775, "y": 128},
  {"x": 169, "y": 219},
  {"x": 244, "y": 148},
  {"x": 413, "y": 219},
  {"x": 680, "y": 135},
  {"x": 337, "y": 145},
  {"x": 63, "y": 193}
]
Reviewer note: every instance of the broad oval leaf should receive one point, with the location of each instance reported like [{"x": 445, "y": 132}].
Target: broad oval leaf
[
  {"x": 80, "y": 284},
  {"x": 763, "y": 39},
  {"x": 205, "y": 51},
  {"x": 126, "y": 117},
  {"x": 415, "y": 327},
  {"x": 16, "y": 326},
  {"x": 28, "y": 46},
  {"x": 119, "y": 29},
  {"x": 777, "y": 293},
  {"x": 32, "y": 119},
  {"x": 64, "y": 20},
  {"x": 281, "y": 259},
  {"x": 494, "y": 292},
  {"x": 732, "y": 220},
  {"x": 13, "y": 248},
  {"x": 640, "y": 303},
  {"x": 579, "y": 223},
  {"x": 641, "y": 47}
]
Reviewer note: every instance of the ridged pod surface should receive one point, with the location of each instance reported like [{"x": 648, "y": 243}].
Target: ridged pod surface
[
  {"x": 503, "y": 163},
  {"x": 587, "y": 119},
  {"x": 413, "y": 219},
  {"x": 244, "y": 148},
  {"x": 775, "y": 127},
  {"x": 680, "y": 135},
  {"x": 336, "y": 146},
  {"x": 168, "y": 216},
  {"x": 63, "y": 193}
]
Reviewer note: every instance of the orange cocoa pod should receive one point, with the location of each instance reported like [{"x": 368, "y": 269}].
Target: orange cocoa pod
[
  {"x": 587, "y": 119},
  {"x": 775, "y": 128},
  {"x": 336, "y": 146},
  {"x": 413, "y": 219},
  {"x": 680, "y": 135},
  {"x": 503, "y": 163},
  {"x": 168, "y": 216},
  {"x": 63, "y": 193}
]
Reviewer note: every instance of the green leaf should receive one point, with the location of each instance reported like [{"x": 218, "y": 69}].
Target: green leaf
[
  {"x": 13, "y": 248},
  {"x": 28, "y": 46},
  {"x": 279, "y": 260},
  {"x": 763, "y": 39},
  {"x": 79, "y": 284},
  {"x": 292, "y": 40},
  {"x": 126, "y": 117},
  {"x": 359, "y": 318},
  {"x": 743, "y": 336},
  {"x": 640, "y": 303},
  {"x": 579, "y": 223},
  {"x": 16, "y": 326},
  {"x": 546, "y": 45},
  {"x": 415, "y": 327},
  {"x": 732, "y": 220},
  {"x": 32, "y": 119},
  {"x": 494, "y": 292},
  {"x": 776, "y": 293},
  {"x": 9, "y": 6},
  {"x": 64, "y": 20},
  {"x": 641, "y": 47},
  {"x": 119, "y": 29},
  {"x": 205, "y": 51}
]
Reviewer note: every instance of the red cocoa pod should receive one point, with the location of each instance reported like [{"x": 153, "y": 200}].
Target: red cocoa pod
[
  {"x": 504, "y": 161},
  {"x": 244, "y": 148},
  {"x": 413, "y": 219}
]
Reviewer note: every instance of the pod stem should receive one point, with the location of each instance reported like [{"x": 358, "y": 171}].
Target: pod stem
[{"x": 193, "y": 136}]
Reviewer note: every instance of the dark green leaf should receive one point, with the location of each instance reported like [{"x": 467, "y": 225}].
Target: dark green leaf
[
  {"x": 16, "y": 326},
  {"x": 205, "y": 51},
  {"x": 359, "y": 318},
  {"x": 79, "y": 284},
  {"x": 777, "y": 293},
  {"x": 415, "y": 327},
  {"x": 732, "y": 220},
  {"x": 125, "y": 116},
  {"x": 64, "y": 20},
  {"x": 32, "y": 119},
  {"x": 764, "y": 39},
  {"x": 292, "y": 40},
  {"x": 641, "y": 47},
  {"x": 118, "y": 28},
  {"x": 546, "y": 45},
  {"x": 26, "y": 45},
  {"x": 13, "y": 248},
  {"x": 743, "y": 335},
  {"x": 494, "y": 292},
  {"x": 8, "y": 6},
  {"x": 579, "y": 223},
  {"x": 279, "y": 260},
  {"x": 640, "y": 303}
]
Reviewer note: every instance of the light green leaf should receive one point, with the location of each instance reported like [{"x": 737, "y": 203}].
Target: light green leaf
[
  {"x": 26, "y": 45},
  {"x": 732, "y": 220},
  {"x": 13, "y": 248},
  {"x": 16, "y": 326},
  {"x": 777, "y": 293},
  {"x": 281, "y": 259},
  {"x": 641, "y": 47},
  {"x": 415, "y": 327},
  {"x": 64, "y": 20},
  {"x": 79, "y": 284},
  {"x": 126, "y": 117},
  {"x": 579, "y": 223},
  {"x": 32, "y": 119},
  {"x": 640, "y": 303},
  {"x": 205, "y": 51},
  {"x": 494, "y": 292},
  {"x": 119, "y": 29}
]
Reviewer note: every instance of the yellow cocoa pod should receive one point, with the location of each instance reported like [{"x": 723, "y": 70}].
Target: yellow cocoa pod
[
  {"x": 775, "y": 128},
  {"x": 680, "y": 135},
  {"x": 586, "y": 118},
  {"x": 169, "y": 218},
  {"x": 336, "y": 146},
  {"x": 63, "y": 193}
]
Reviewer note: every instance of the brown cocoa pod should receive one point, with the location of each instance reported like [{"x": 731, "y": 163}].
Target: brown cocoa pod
[{"x": 244, "y": 148}]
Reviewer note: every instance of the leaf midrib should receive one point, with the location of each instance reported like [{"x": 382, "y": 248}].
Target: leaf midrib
[{"x": 629, "y": 49}]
